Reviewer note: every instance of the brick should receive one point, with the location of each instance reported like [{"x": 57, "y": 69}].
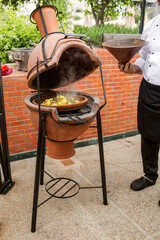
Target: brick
[{"x": 119, "y": 115}]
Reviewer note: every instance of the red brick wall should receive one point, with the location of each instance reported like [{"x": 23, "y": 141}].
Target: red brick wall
[{"x": 118, "y": 116}]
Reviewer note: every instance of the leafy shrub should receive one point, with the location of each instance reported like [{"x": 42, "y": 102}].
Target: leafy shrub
[
  {"x": 95, "y": 33},
  {"x": 16, "y": 31}
]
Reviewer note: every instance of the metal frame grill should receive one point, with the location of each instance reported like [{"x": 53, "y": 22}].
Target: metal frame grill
[
  {"x": 40, "y": 159},
  {"x": 7, "y": 184}
]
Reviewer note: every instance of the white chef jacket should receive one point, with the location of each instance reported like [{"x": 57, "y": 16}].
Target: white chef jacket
[{"x": 149, "y": 60}]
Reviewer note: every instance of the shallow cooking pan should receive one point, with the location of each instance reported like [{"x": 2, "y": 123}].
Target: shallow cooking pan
[{"x": 65, "y": 107}]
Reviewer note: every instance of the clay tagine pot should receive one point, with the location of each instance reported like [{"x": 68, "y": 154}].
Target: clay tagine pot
[
  {"x": 124, "y": 49},
  {"x": 62, "y": 129}
]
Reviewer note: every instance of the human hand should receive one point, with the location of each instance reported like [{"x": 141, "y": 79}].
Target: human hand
[{"x": 129, "y": 68}]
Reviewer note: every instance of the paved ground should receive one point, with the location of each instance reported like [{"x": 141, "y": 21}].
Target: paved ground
[{"x": 129, "y": 215}]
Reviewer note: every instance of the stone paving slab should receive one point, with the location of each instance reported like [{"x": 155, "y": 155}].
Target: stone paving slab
[{"x": 129, "y": 215}]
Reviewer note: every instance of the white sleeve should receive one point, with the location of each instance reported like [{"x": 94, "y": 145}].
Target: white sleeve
[
  {"x": 141, "y": 60},
  {"x": 144, "y": 51}
]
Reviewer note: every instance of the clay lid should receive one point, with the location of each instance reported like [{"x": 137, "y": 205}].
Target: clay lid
[
  {"x": 124, "y": 49},
  {"x": 72, "y": 60}
]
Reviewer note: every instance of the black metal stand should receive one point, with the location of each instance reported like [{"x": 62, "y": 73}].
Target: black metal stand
[
  {"x": 39, "y": 173},
  {"x": 7, "y": 184},
  {"x": 40, "y": 161}
]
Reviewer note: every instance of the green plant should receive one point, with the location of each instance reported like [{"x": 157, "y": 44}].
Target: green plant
[
  {"x": 95, "y": 33},
  {"x": 16, "y": 31}
]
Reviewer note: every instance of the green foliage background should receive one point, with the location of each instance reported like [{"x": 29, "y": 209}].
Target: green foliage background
[
  {"x": 95, "y": 33},
  {"x": 16, "y": 31}
]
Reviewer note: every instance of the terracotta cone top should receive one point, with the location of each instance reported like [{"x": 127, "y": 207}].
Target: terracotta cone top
[
  {"x": 62, "y": 59},
  {"x": 49, "y": 17},
  {"x": 124, "y": 49}
]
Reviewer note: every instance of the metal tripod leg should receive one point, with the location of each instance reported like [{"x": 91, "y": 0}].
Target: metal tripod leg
[
  {"x": 101, "y": 153},
  {"x": 5, "y": 155},
  {"x": 4, "y": 158},
  {"x": 7, "y": 184},
  {"x": 0, "y": 179},
  {"x": 43, "y": 143},
  {"x": 37, "y": 175}
]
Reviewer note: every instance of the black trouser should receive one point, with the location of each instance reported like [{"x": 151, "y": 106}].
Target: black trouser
[{"x": 150, "y": 150}]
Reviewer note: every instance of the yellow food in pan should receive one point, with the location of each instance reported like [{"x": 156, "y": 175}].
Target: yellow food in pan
[{"x": 59, "y": 100}]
